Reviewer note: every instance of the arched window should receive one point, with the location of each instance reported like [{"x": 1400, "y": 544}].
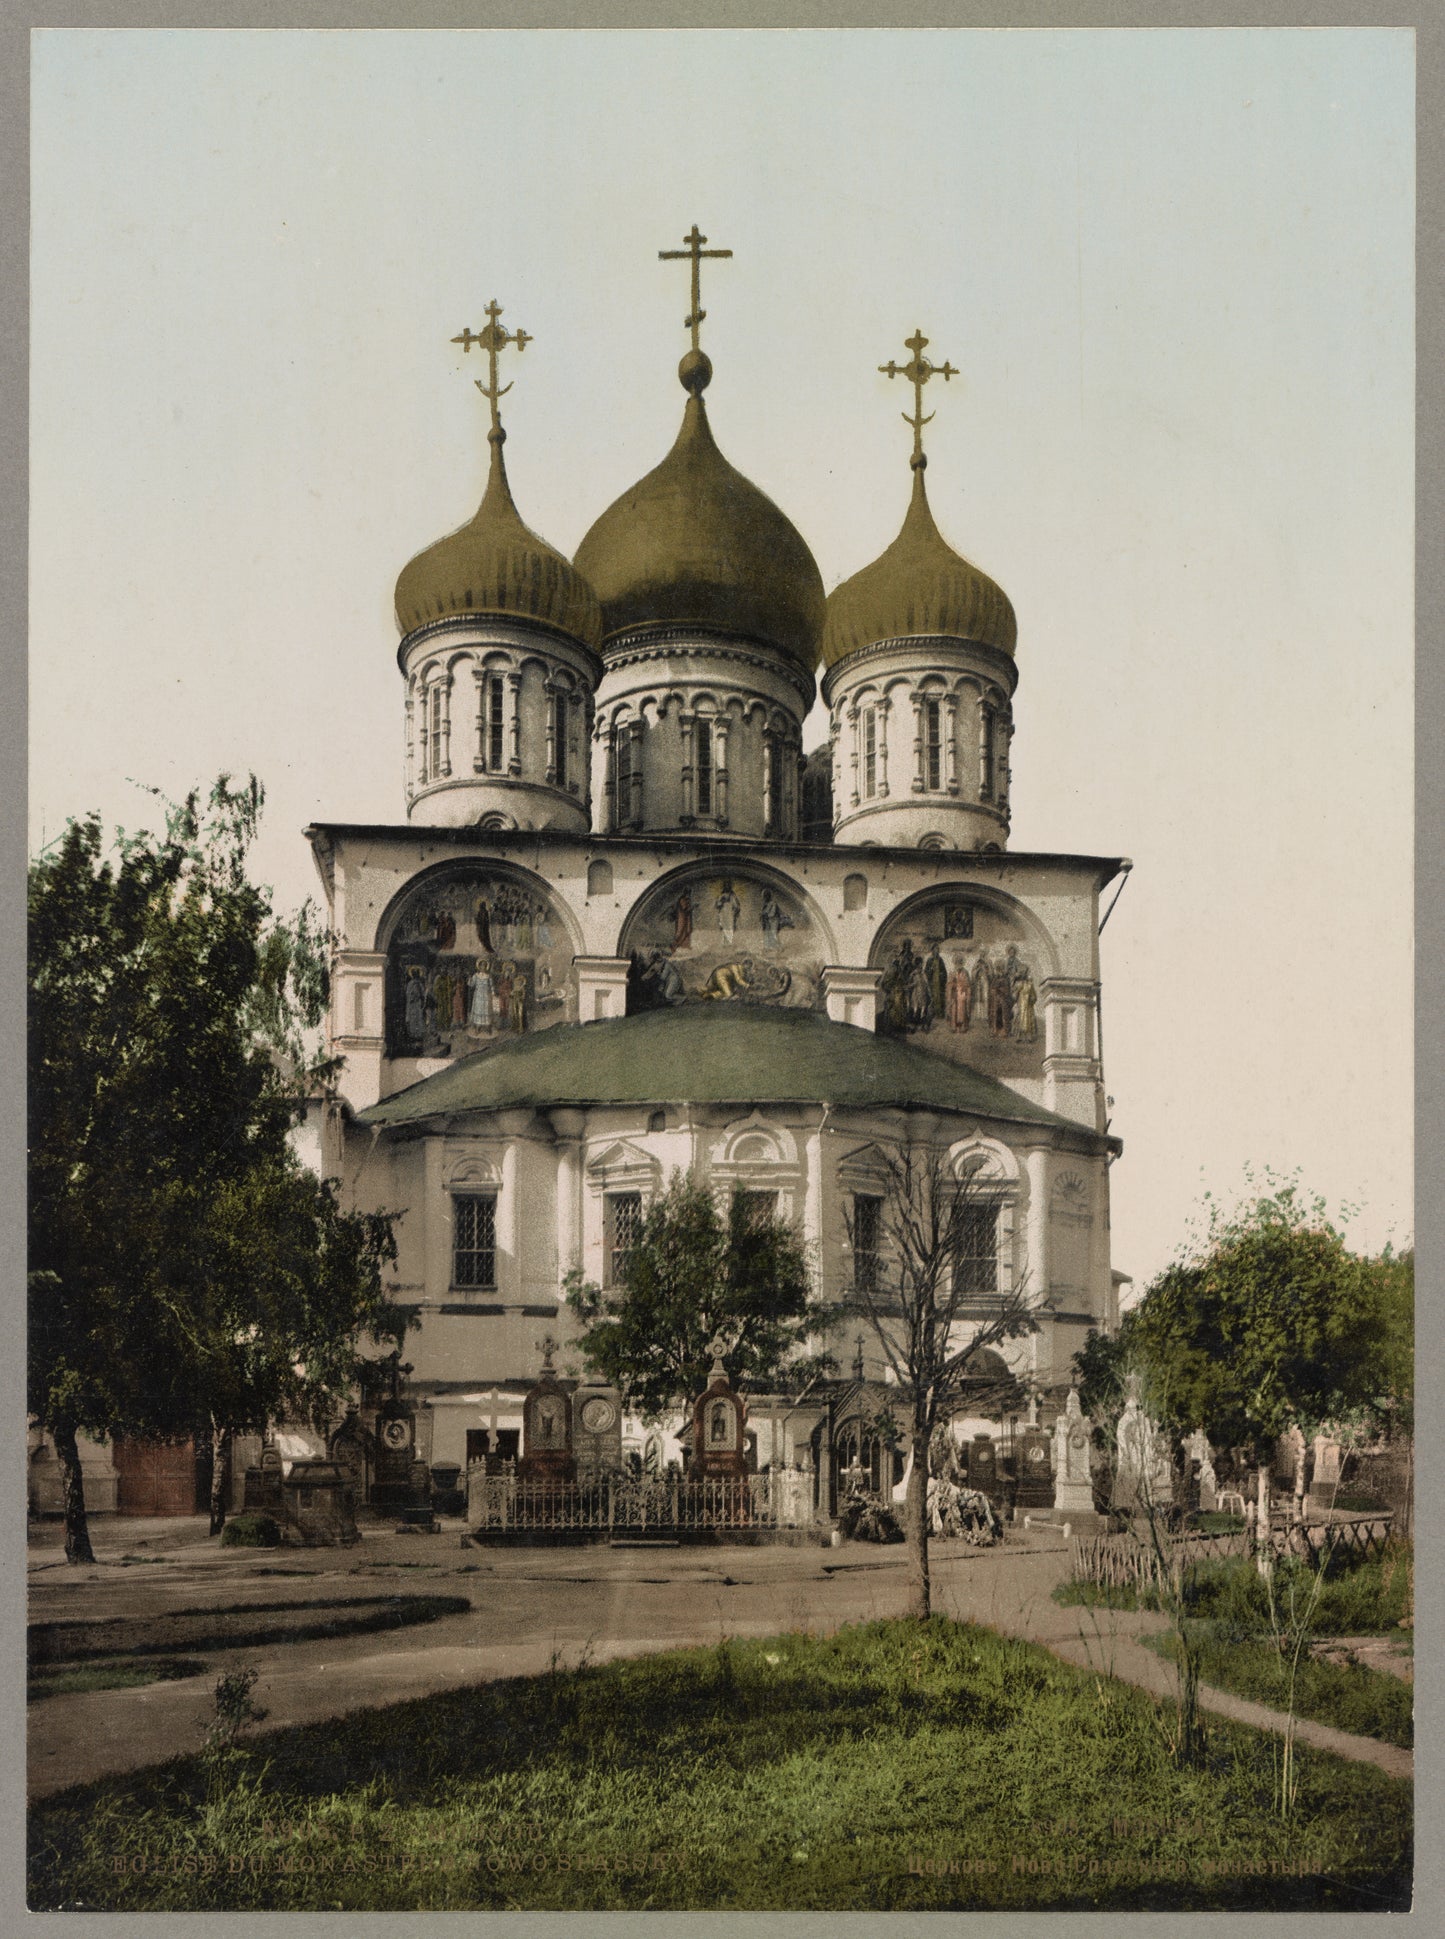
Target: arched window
[
  {"x": 599, "y": 878},
  {"x": 933, "y": 744}
]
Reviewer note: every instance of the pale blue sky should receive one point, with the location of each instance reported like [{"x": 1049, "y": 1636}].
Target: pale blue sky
[{"x": 1175, "y": 269}]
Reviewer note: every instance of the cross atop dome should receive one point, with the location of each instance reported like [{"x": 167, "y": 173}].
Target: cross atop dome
[
  {"x": 494, "y": 339},
  {"x": 917, "y": 370},
  {"x": 695, "y": 370}
]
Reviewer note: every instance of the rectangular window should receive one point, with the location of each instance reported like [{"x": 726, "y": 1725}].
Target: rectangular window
[
  {"x": 702, "y": 737},
  {"x": 933, "y": 743},
  {"x": 434, "y": 706},
  {"x": 494, "y": 723},
  {"x": 559, "y": 738},
  {"x": 986, "y": 756},
  {"x": 757, "y": 1208},
  {"x": 870, "y": 751},
  {"x": 623, "y": 1213},
  {"x": 975, "y": 1263},
  {"x": 867, "y": 1230},
  {"x": 474, "y": 1240}
]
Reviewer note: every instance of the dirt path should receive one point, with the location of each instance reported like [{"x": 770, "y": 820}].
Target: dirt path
[{"x": 529, "y": 1607}]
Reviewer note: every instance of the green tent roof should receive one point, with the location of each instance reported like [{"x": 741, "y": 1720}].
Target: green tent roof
[{"x": 700, "y": 1054}]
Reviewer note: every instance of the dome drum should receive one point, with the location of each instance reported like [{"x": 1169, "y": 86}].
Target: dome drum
[
  {"x": 498, "y": 726},
  {"x": 920, "y": 738}
]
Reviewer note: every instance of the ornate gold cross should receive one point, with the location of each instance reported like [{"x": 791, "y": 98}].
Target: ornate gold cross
[
  {"x": 696, "y": 252},
  {"x": 493, "y": 339},
  {"x": 917, "y": 370}
]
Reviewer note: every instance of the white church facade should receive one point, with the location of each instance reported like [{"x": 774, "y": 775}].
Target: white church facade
[{"x": 626, "y": 928}]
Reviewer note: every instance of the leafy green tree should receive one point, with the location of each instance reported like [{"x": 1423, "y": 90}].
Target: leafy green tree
[
  {"x": 185, "y": 1267},
  {"x": 1274, "y": 1323},
  {"x": 1099, "y": 1369},
  {"x": 699, "y": 1270}
]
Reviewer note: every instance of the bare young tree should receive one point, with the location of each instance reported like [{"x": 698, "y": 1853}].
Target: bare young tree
[{"x": 926, "y": 1282}]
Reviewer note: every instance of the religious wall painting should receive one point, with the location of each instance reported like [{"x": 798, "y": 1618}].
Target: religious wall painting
[
  {"x": 716, "y": 937},
  {"x": 475, "y": 956},
  {"x": 963, "y": 979}
]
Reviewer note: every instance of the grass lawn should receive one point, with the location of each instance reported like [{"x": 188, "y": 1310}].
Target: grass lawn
[
  {"x": 1370, "y": 1703},
  {"x": 64, "y": 1679},
  {"x": 1355, "y": 1598},
  {"x": 892, "y": 1766}
]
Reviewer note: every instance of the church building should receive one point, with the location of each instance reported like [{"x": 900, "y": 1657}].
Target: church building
[{"x": 625, "y": 927}]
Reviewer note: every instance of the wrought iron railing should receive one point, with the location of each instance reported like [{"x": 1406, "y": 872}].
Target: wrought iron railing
[{"x": 630, "y": 1505}]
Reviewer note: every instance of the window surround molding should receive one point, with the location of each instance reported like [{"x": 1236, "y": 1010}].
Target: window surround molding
[{"x": 753, "y": 1155}]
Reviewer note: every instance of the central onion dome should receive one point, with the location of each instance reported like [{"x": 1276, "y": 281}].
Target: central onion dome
[
  {"x": 695, "y": 543},
  {"x": 919, "y": 586},
  {"x": 496, "y": 565}
]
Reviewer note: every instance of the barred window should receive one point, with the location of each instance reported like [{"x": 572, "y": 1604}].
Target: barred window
[
  {"x": 474, "y": 1240},
  {"x": 622, "y": 778},
  {"x": 933, "y": 742},
  {"x": 703, "y": 732},
  {"x": 988, "y": 756},
  {"x": 870, "y": 751},
  {"x": 975, "y": 1263},
  {"x": 867, "y": 1231},
  {"x": 623, "y": 1212}
]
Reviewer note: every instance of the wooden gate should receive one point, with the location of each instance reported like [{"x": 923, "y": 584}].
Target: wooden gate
[{"x": 156, "y": 1477}]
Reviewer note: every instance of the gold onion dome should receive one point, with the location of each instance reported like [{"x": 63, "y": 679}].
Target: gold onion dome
[
  {"x": 920, "y": 586},
  {"x": 695, "y": 543},
  {"x": 494, "y": 564}
]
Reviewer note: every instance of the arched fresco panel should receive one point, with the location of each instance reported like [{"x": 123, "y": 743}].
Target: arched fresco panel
[
  {"x": 722, "y": 936},
  {"x": 963, "y": 978},
  {"x": 475, "y": 955}
]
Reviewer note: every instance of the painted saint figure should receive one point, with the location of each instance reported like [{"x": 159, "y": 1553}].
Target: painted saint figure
[
  {"x": 728, "y": 911},
  {"x": 682, "y": 921},
  {"x": 415, "y": 1005},
  {"x": 479, "y": 997},
  {"x": 960, "y": 995},
  {"x": 774, "y": 920},
  {"x": 484, "y": 924},
  {"x": 936, "y": 977}
]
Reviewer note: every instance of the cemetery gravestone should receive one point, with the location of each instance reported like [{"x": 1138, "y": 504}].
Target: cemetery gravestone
[
  {"x": 983, "y": 1467},
  {"x": 717, "y": 1427},
  {"x": 1073, "y": 1437},
  {"x": 547, "y": 1426},
  {"x": 597, "y": 1432},
  {"x": 1035, "y": 1476}
]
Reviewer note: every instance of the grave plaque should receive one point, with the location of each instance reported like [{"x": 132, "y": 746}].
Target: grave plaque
[{"x": 596, "y": 1431}]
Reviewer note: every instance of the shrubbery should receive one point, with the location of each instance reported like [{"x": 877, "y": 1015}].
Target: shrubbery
[{"x": 251, "y": 1532}]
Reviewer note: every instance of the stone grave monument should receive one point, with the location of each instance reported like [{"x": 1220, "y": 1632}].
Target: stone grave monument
[
  {"x": 1073, "y": 1444},
  {"x": 596, "y": 1432},
  {"x": 717, "y": 1427},
  {"x": 547, "y": 1426},
  {"x": 1143, "y": 1473},
  {"x": 263, "y": 1494},
  {"x": 318, "y": 1505},
  {"x": 1197, "y": 1451},
  {"x": 1035, "y": 1485},
  {"x": 983, "y": 1471}
]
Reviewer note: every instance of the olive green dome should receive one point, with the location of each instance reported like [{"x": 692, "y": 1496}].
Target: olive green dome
[
  {"x": 495, "y": 564},
  {"x": 920, "y": 585},
  {"x": 695, "y": 543}
]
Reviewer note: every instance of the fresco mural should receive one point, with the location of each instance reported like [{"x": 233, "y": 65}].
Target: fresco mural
[
  {"x": 475, "y": 956},
  {"x": 962, "y": 979},
  {"x": 722, "y": 938}
]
